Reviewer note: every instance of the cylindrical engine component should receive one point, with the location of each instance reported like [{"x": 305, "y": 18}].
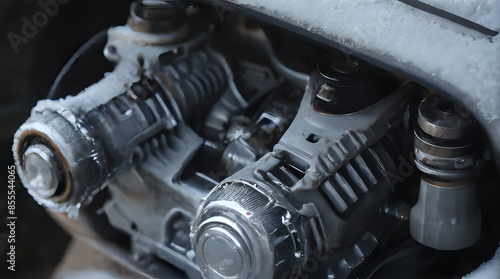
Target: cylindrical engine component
[
  {"x": 242, "y": 232},
  {"x": 57, "y": 148},
  {"x": 264, "y": 230},
  {"x": 446, "y": 216},
  {"x": 96, "y": 131},
  {"x": 348, "y": 84},
  {"x": 156, "y": 16},
  {"x": 60, "y": 144}
]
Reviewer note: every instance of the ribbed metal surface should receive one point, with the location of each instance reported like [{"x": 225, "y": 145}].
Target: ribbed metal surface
[
  {"x": 248, "y": 198},
  {"x": 199, "y": 77},
  {"x": 355, "y": 178}
]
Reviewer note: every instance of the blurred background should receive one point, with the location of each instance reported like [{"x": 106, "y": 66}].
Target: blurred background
[{"x": 26, "y": 76}]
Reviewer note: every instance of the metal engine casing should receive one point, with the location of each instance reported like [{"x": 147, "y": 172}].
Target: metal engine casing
[
  {"x": 213, "y": 163},
  {"x": 138, "y": 129}
]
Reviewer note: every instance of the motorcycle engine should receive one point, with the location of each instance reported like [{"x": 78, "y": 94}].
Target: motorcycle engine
[{"x": 235, "y": 149}]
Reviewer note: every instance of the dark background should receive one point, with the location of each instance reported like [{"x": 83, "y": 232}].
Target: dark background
[{"x": 26, "y": 77}]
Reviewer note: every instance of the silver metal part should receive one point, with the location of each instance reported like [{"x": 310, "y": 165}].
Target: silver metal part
[
  {"x": 156, "y": 16},
  {"x": 326, "y": 93},
  {"x": 445, "y": 120},
  {"x": 249, "y": 142},
  {"x": 446, "y": 216},
  {"x": 326, "y": 142},
  {"x": 232, "y": 102},
  {"x": 70, "y": 126},
  {"x": 41, "y": 171},
  {"x": 237, "y": 155},
  {"x": 266, "y": 208},
  {"x": 445, "y": 154},
  {"x": 49, "y": 138},
  {"x": 225, "y": 162},
  {"x": 162, "y": 226},
  {"x": 97, "y": 131},
  {"x": 246, "y": 230}
]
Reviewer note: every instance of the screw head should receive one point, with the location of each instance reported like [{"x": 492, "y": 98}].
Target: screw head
[{"x": 326, "y": 93}]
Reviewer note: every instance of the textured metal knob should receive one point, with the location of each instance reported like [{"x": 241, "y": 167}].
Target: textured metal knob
[
  {"x": 223, "y": 250},
  {"x": 240, "y": 232}
]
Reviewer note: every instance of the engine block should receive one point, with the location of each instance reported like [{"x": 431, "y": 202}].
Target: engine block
[{"x": 227, "y": 164}]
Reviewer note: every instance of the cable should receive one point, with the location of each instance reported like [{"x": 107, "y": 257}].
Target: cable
[{"x": 97, "y": 41}]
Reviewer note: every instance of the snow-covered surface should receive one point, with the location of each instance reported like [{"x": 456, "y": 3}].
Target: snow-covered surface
[
  {"x": 482, "y": 12},
  {"x": 488, "y": 270},
  {"x": 129, "y": 45},
  {"x": 437, "y": 50}
]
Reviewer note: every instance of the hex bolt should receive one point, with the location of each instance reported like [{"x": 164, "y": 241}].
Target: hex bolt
[{"x": 326, "y": 93}]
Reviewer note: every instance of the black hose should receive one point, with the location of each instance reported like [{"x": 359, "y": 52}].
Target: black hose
[{"x": 98, "y": 41}]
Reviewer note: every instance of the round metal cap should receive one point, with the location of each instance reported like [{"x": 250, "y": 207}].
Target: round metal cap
[
  {"x": 346, "y": 84},
  {"x": 240, "y": 233},
  {"x": 221, "y": 252},
  {"x": 40, "y": 170},
  {"x": 445, "y": 120},
  {"x": 156, "y": 16}
]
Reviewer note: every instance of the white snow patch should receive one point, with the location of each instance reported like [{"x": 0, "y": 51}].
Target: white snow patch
[
  {"x": 488, "y": 270},
  {"x": 483, "y": 12}
]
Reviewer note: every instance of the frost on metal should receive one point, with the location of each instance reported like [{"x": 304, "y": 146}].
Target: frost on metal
[{"x": 62, "y": 124}]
